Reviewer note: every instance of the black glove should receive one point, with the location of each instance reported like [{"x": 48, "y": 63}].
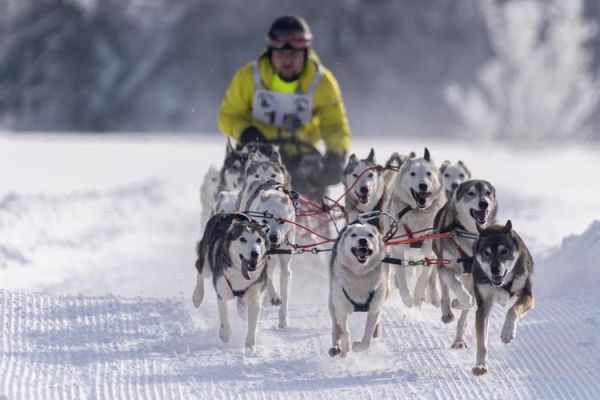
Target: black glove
[
  {"x": 252, "y": 134},
  {"x": 333, "y": 165},
  {"x": 292, "y": 123}
]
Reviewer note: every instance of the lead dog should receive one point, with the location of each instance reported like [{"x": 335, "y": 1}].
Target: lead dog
[
  {"x": 502, "y": 271},
  {"x": 358, "y": 282},
  {"x": 472, "y": 206},
  {"x": 233, "y": 253},
  {"x": 415, "y": 199}
]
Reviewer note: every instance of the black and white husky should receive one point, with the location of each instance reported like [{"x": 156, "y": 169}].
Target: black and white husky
[
  {"x": 453, "y": 175},
  {"x": 502, "y": 272},
  {"x": 472, "y": 206},
  {"x": 358, "y": 282},
  {"x": 415, "y": 199},
  {"x": 368, "y": 191},
  {"x": 233, "y": 252},
  {"x": 232, "y": 171}
]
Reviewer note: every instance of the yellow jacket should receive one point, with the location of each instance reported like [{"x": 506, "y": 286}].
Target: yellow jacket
[{"x": 329, "y": 121}]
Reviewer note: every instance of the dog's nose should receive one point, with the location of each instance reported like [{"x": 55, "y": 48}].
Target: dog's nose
[
  {"x": 454, "y": 186},
  {"x": 254, "y": 254},
  {"x": 423, "y": 187},
  {"x": 364, "y": 190},
  {"x": 362, "y": 242},
  {"x": 483, "y": 205},
  {"x": 273, "y": 238}
]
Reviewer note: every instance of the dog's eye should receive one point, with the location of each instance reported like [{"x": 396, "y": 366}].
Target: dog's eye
[
  {"x": 470, "y": 194},
  {"x": 488, "y": 193},
  {"x": 281, "y": 222},
  {"x": 428, "y": 173},
  {"x": 370, "y": 175},
  {"x": 503, "y": 252},
  {"x": 461, "y": 175},
  {"x": 256, "y": 175},
  {"x": 273, "y": 176},
  {"x": 355, "y": 175},
  {"x": 487, "y": 252},
  {"x": 243, "y": 240},
  {"x": 446, "y": 175},
  {"x": 370, "y": 235},
  {"x": 258, "y": 240},
  {"x": 214, "y": 179},
  {"x": 353, "y": 235},
  {"x": 413, "y": 174}
]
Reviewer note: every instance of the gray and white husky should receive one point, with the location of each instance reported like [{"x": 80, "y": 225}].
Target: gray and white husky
[
  {"x": 262, "y": 171},
  {"x": 472, "y": 206},
  {"x": 368, "y": 191},
  {"x": 232, "y": 171},
  {"x": 262, "y": 151},
  {"x": 358, "y": 282},
  {"x": 233, "y": 252},
  {"x": 273, "y": 205},
  {"x": 453, "y": 175},
  {"x": 502, "y": 272},
  {"x": 415, "y": 199}
]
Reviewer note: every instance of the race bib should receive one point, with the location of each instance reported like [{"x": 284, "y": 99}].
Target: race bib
[{"x": 283, "y": 110}]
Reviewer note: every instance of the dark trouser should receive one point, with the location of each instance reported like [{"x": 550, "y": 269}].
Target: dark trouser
[{"x": 305, "y": 170}]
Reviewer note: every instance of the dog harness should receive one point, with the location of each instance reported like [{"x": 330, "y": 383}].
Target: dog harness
[
  {"x": 465, "y": 260},
  {"x": 378, "y": 207},
  {"x": 360, "y": 307},
  {"x": 277, "y": 108},
  {"x": 237, "y": 293}
]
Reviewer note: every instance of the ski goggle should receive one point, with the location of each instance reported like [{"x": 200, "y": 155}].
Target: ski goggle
[{"x": 288, "y": 40}]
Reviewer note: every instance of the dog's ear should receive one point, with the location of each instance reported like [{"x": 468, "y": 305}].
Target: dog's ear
[
  {"x": 229, "y": 148},
  {"x": 426, "y": 155},
  {"x": 371, "y": 156},
  {"x": 445, "y": 165},
  {"x": 412, "y": 154},
  {"x": 467, "y": 171},
  {"x": 460, "y": 191},
  {"x": 276, "y": 157},
  {"x": 508, "y": 227},
  {"x": 353, "y": 158}
]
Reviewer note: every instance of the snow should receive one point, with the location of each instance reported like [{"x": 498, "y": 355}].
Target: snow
[{"x": 97, "y": 241}]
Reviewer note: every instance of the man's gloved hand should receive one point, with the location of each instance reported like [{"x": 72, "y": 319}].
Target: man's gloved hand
[
  {"x": 252, "y": 134},
  {"x": 333, "y": 165}
]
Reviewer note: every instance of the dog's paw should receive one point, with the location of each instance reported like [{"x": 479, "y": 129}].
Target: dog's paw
[
  {"x": 250, "y": 349},
  {"x": 407, "y": 300},
  {"x": 283, "y": 323},
  {"x": 334, "y": 351},
  {"x": 459, "y": 344},
  {"x": 479, "y": 370},
  {"x": 359, "y": 346},
  {"x": 275, "y": 300},
  {"x": 377, "y": 331},
  {"x": 434, "y": 299},
  {"x": 462, "y": 305},
  {"x": 197, "y": 297},
  {"x": 509, "y": 331},
  {"x": 225, "y": 333},
  {"x": 447, "y": 318}
]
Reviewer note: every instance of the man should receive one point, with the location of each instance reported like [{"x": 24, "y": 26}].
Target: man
[{"x": 287, "y": 97}]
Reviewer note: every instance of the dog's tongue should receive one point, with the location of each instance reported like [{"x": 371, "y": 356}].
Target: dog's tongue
[{"x": 245, "y": 265}]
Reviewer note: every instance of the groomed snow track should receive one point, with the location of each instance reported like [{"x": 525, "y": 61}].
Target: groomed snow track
[{"x": 75, "y": 347}]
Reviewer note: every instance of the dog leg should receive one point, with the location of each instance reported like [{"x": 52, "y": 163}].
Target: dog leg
[
  {"x": 420, "y": 287},
  {"x": 335, "y": 333},
  {"x": 225, "y": 329},
  {"x": 198, "y": 295},
  {"x": 447, "y": 315},
  {"x": 241, "y": 307},
  {"x": 372, "y": 322},
  {"x": 253, "y": 301},
  {"x": 434, "y": 296},
  {"x": 464, "y": 299},
  {"x": 513, "y": 315},
  {"x": 342, "y": 320},
  {"x": 285, "y": 280},
  {"x": 461, "y": 324},
  {"x": 274, "y": 297},
  {"x": 402, "y": 284},
  {"x": 481, "y": 327}
]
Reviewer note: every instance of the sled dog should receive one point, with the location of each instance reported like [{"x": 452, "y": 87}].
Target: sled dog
[
  {"x": 367, "y": 190},
  {"x": 453, "y": 175},
  {"x": 502, "y": 271},
  {"x": 226, "y": 202},
  {"x": 273, "y": 205},
  {"x": 472, "y": 206},
  {"x": 392, "y": 166},
  {"x": 415, "y": 199},
  {"x": 261, "y": 171},
  {"x": 263, "y": 151},
  {"x": 233, "y": 252},
  {"x": 232, "y": 171},
  {"x": 358, "y": 282}
]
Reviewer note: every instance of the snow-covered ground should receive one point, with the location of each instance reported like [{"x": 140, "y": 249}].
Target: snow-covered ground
[{"x": 97, "y": 241}]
